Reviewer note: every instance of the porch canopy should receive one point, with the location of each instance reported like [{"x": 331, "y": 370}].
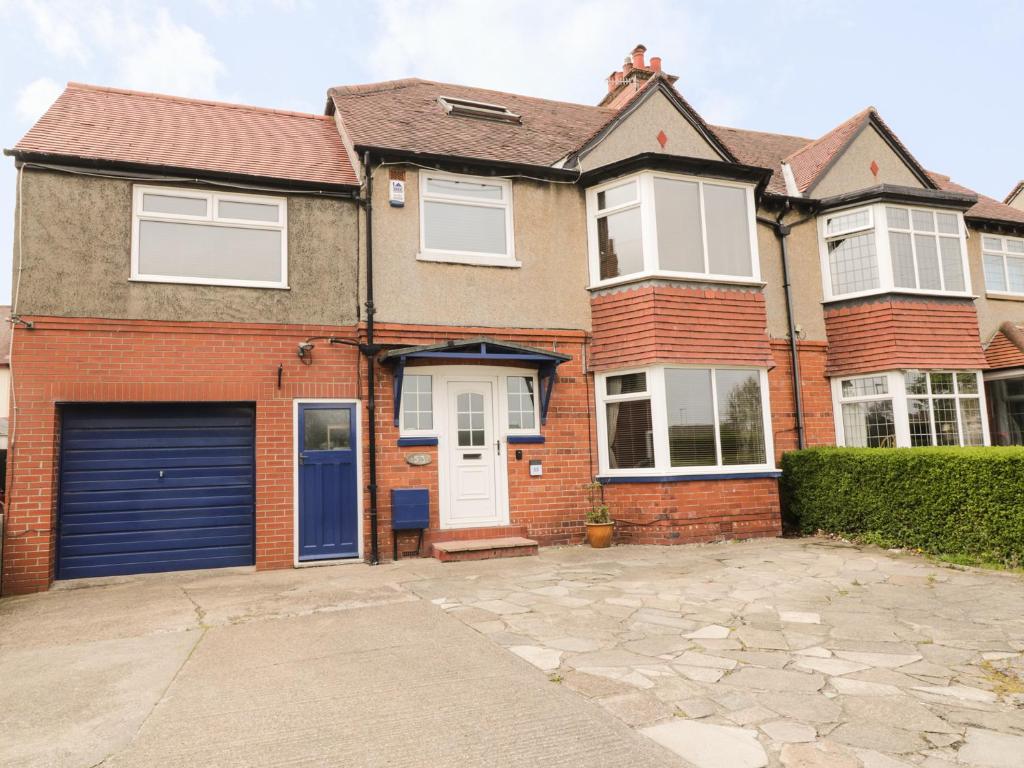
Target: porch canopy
[{"x": 475, "y": 350}]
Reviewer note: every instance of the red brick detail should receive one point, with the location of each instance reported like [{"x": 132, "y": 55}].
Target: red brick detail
[
  {"x": 484, "y": 554},
  {"x": 819, "y": 422},
  {"x": 903, "y": 333},
  {"x": 82, "y": 360},
  {"x": 651, "y": 324},
  {"x": 1006, "y": 350},
  {"x": 694, "y": 511}
]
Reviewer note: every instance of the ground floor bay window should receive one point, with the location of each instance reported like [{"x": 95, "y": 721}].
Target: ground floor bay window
[
  {"x": 909, "y": 409},
  {"x": 1004, "y": 391},
  {"x": 667, "y": 421}
]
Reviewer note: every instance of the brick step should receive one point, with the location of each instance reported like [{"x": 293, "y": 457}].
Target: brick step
[
  {"x": 483, "y": 549},
  {"x": 465, "y": 534}
]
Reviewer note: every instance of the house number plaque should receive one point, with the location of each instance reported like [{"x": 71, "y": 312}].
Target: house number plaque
[{"x": 418, "y": 459}]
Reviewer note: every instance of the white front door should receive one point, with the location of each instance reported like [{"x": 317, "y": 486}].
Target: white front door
[{"x": 475, "y": 487}]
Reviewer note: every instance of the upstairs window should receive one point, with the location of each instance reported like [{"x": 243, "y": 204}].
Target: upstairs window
[
  {"x": 1004, "y": 264},
  {"x": 882, "y": 248},
  {"x": 209, "y": 238},
  {"x": 664, "y": 225},
  {"x": 466, "y": 220}
]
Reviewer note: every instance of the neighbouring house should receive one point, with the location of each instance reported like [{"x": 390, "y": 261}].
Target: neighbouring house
[
  {"x": 1016, "y": 196},
  {"x": 247, "y": 336}
]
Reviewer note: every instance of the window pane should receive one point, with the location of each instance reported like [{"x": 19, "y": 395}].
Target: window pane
[
  {"x": 853, "y": 264},
  {"x": 626, "y": 384},
  {"x": 848, "y": 221},
  {"x": 616, "y": 196},
  {"x": 947, "y": 223},
  {"x": 869, "y": 425},
  {"x": 952, "y": 263},
  {"x": 471, "y": 228},
  {"x": 741, "y": 424},
  {"x": 927, "y": 262},
  {"x": 924, "y": 221},
  {"x": 942, "y": 383},
  {"x": 866, "y": 386},
  {"x": 234, "y": 209},
  {"x": 992, "y": 243},
  {"x": 946, "y": 433},
  {"x": 691, "y": 418},
  {"x": 326, "y": 429},
  {"x": 1014, "y": 246},
  {"x": 967, "y": 383},
  {"x": 728, "y": 235},
  {"x": 970, "y": 416},
  {"x": 184, "y": 206},
  {"x": 898, "y": 218},
  {"x": 677, "y": 212},
  {"x": 902, "y": 260},
  {"x": 1015, "y": 271},
  {"x": 469, "y": 189},
  {"x": 995, "y": 278},
  {"x": 630, "y": 440},
  {"x": 917, "y": 382},
  {"x": 619, "y": 244},
  {"x": 920, "y": 423},
  {"x": 521, "y": 413},
  {"x": 417, "y": 404},
  {"x": 175, "y": 249}
]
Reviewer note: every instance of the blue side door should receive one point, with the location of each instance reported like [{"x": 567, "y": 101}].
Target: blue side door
[{"x": 328, "y": 494}]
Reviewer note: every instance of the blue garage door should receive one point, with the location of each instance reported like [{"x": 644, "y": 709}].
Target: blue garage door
[{"x": 148, "y": 488}]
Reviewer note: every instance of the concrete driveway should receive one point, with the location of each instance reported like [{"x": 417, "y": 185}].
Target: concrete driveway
[{"x": 782, "y": 652}]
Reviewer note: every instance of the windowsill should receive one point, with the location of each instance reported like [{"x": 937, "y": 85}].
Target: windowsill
[
  {"x": 640, "y": 277},
  {"x": 470, "y": 259},
  {"x": 406, "y": 442},
  {"x": 898, "y": 292},
  {"x": 211, "y": 281},
  {"x": 751, "y": 474},
  {"x": 524, "y": 439},
  {"x": 1004, "y": 296}
]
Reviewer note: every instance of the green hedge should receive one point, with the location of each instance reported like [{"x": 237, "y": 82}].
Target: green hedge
[{"x": 951, "y": 501}]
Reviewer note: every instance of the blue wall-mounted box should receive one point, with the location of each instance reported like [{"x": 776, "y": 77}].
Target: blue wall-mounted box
[{"x": 410, "y": 509}]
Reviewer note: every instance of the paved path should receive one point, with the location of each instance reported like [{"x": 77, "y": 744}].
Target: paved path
[{"x": 795, "y": 653}]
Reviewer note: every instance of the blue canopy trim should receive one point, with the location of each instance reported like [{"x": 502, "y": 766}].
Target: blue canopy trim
[{"x": 545, "y": 361}]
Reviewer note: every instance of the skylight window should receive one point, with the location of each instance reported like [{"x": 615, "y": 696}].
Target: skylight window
[{"x": 479, "y": 109}]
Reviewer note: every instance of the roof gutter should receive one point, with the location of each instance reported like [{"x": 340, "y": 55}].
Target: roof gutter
[
  {"x": 477, "y": 165},
  {"x": 898, "y": 194},
  {"x": 157, "y": 172}
]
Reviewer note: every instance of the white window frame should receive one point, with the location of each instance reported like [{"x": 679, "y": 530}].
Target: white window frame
[
  {"x": 1002, "y": 254},
  {"x": 659, "y": 423},
  {"x": 649, "y": 231},
  {"x": 900, "y": 408},
  {"x": 439, "y": 376},
  {"x": 535, "y": 430},
  {"x": 213, "y": 200},
  {"x": 880, "y": 226},
  {"x": 476, "y": 258}
]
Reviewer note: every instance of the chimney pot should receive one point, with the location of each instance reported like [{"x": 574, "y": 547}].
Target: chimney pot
[
  {"x": 627, "y": 67},
  {"x": 638, "y": 57},
  {"x": 656, "y": 63}
]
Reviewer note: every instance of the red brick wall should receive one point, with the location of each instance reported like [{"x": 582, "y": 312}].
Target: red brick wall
[
  {"x": 819, "y": 424},
  {"x": 643, "y": 325},
  {"x": 72, "y": 360},
  {"x": 694, "y": 511},
  {"x": 903, "y": 333}
]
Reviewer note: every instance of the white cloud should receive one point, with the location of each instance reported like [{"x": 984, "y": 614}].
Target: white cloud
[
  {"x": 35, "y": 98},
  {"x": 57, "y": 29}
]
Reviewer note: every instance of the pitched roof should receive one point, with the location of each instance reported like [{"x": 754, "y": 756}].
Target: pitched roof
[
  {"x": 987, "y": 208},
  {"x": 146, "y": 129},
  {"x": 764, "y": 150},
  {"x": 406, "y": 115},
  {"x": 1014, "y": 192},
  {"x": 1006, "y": 349}
]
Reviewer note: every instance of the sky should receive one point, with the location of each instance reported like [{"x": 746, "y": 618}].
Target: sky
[{"x": 944, "y": 75}]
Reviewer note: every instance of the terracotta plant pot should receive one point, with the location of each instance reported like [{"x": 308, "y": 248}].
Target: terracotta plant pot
[{"x": 599, "y": 535}]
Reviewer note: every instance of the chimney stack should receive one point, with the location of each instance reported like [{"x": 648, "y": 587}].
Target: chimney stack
[
  {"x": 638, "y": 56},
  {"x": 635, "y": 71},
  {"x": 656, "y": 63}
]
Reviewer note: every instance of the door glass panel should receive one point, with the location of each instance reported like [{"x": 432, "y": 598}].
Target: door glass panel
[
  {"x": 470, "y": 415},
  {"x": 326, "y": 429}
]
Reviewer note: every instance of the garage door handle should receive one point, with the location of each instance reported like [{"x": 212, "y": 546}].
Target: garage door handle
[{"x": 161, "y": 473}]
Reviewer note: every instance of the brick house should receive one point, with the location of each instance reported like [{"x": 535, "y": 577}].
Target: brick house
[{"x": 247, "y": 336}]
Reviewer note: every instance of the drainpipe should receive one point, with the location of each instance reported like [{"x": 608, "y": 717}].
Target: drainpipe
[
  {"x": 370, "y": 350},
  {"x": 782, "y": 232}
]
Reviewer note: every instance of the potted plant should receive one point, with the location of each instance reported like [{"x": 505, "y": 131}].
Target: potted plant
[{"x": 600, "y": 525}]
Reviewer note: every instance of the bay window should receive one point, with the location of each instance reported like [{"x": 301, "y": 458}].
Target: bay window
[
  {"x": 670, "y": 420},
  {"x": 1004, "y": 264},
  {"x": 881, "y": 248},
  {"x": 669, "y": 225},
  {"x": 909, "y": 409}
]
